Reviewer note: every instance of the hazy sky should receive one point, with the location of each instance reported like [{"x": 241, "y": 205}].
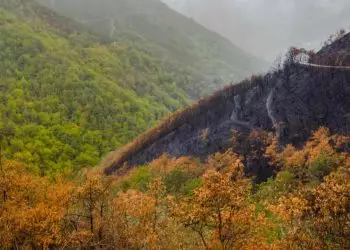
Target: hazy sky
[{"x": 267, "y": 27}]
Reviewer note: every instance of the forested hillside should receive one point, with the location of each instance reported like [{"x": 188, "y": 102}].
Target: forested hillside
[
  {"x": 208, "y": 60},
  {"x": 185, "y": 204},
  {"x": 263, "y": 164},
  {"x": 66, "y": 100}
]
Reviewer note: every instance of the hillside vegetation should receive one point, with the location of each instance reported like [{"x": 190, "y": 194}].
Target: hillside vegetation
[
  {"x": 184, "y": 204},
  {"x": 208, "y": 60},
  {"x": 264, "y": 164},
  {"x": 66, "y": 99}
]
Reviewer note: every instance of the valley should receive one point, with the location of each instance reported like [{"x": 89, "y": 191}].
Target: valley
[{"x": 126, "y": 125}]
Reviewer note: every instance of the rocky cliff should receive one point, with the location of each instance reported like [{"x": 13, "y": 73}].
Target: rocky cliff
[{"x": 290, "y": 102}]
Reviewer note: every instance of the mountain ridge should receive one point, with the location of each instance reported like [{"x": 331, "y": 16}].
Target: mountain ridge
[{"x": 292, "y": 102}]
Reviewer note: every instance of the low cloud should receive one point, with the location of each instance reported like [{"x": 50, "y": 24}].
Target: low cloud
[{"x": 267, "y": 27}]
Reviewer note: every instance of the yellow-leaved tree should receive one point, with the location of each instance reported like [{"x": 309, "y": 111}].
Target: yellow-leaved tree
[
  {"x": 218, "y": 211},
  {"x": 32, "y": 208}
]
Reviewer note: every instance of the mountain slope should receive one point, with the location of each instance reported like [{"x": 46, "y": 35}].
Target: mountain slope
[
  {"x": 66, "y": 100},
  {"x": 292, "y": 102},
  {"x": 209, "y": 60}
]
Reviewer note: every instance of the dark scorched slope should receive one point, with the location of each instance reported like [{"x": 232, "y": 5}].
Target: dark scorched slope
[{"x": 292, "y": 102}]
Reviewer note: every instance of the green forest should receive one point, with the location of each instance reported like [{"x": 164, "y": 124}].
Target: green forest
[
  {"x": 67, "y": 99},
  {"x": 208, "y": 60},
  {"x": 70, "y": 93}
]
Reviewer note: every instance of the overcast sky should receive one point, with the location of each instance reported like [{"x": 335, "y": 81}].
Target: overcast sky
[{"x": 267, "y": 27}]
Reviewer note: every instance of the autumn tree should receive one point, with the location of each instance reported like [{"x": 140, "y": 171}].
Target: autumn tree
[
  {"x": 317, "y": 217},
  {"x": 32, "y": 208},
  {"x": 89, "y": 211},
  {"x": 315, "y": 160},
  {"x": 137, "y": 219},
  {"x": 218, "y": 212}
]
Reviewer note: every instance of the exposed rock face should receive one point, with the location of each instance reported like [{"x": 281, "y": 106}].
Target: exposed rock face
[{"x": 291, "y": 103}]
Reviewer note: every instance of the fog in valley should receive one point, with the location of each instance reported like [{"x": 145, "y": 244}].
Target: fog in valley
[{"x": 266, "y": 27}]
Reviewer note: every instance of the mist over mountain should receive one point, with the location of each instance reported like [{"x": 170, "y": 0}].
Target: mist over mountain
[
  {"x": 267, "y": 28},
  {"x": 208, "y": 60}
]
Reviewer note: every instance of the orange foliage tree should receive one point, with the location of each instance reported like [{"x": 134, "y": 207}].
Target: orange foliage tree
[
  {"x": 137, "y": 219},
  {"x": 317, "y": 212},
  {"x": 218, "y": 211},
  {"x": 318, "y": 218},
  {"x": 31, "y": 208},
  {"x": 317, "y": 159}
]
